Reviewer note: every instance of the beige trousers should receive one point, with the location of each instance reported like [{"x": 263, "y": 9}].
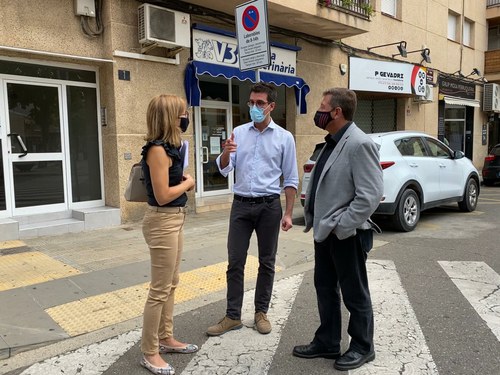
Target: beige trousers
[{"x": 163, "y": 231}]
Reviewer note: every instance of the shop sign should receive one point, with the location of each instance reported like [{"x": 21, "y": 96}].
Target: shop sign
[
  {"x": 456, "y": 87},
  {"x": 430, "y": 76},
  {"x": 223, "y": 50},
  {"x": 385, "y": 76}
]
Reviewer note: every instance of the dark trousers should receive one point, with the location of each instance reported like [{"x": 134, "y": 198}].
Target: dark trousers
[
  {"x": 265, "y": 219},
  {"x": 340, "y": 267}
]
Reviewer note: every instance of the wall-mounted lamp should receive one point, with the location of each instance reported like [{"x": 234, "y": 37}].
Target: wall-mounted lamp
[
  {"x": 401, "y": 47},
  {"x": 475, "y": 71},
  {"x": 425, "y": 53}
]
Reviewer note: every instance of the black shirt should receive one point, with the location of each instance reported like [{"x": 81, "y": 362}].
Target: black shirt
[
  {"x": 175, "y": 173},
  {"x": 331, "y": 142}
]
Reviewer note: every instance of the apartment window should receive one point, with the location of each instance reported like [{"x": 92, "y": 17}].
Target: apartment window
[
  {"x": 453, "y": 26},
  {"x": 389, "y": 7},
  {"x": 468, "y": 33},
  {"x": 493, "y": 38}
]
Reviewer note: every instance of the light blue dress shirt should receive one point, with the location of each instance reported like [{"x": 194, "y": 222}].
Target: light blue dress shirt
[{"x": 261, "y": 158}]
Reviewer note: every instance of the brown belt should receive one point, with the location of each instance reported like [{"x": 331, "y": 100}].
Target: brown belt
[{"x": 171, "y": 210}]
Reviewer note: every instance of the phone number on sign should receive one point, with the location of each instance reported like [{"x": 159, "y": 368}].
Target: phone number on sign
[{"x": 395, "y": 88}]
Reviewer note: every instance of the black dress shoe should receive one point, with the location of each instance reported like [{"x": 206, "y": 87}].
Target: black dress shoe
[
  {"x": 313, "y": 350},
  {"x": 352, "y": 359}
]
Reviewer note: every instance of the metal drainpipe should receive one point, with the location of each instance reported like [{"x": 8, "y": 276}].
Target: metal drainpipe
[{"x": 462, "y": 34}]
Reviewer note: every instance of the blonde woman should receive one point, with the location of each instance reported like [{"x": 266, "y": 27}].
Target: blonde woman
[{"x": 162, "y": 227}]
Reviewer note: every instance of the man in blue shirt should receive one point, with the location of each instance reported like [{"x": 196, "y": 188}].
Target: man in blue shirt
[{"x": 260, "y": 152}]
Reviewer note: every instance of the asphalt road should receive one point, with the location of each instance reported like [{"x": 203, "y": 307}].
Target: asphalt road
[{"x": 452, "y": 335}]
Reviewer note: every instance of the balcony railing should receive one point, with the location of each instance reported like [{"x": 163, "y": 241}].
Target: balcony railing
[
  {"x": 360, "y": 8},
  {"x": 492, "y": 3}
]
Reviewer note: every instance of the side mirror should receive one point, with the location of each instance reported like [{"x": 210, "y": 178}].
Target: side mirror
[{"x": 458, "y": 154}]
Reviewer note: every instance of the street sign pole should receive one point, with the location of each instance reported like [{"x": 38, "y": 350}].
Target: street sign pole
[{"x": 252, "y": 30}]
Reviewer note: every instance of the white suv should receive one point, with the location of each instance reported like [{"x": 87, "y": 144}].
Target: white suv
[{"x": 420, "y": 172}]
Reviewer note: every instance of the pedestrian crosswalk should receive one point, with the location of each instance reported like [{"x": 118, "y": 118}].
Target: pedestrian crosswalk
[{"x": 401, "y": 346}]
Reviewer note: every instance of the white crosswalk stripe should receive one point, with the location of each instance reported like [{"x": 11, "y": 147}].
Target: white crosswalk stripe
[
  {"x": 245, "y": 351},
  {"x": 400, "y": 344},
  {"x": 89, "y": 360},
  {"x": 480, "y": 285}
]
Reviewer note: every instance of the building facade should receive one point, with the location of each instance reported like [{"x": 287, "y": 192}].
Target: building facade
[{"x": 76, "y": 79}]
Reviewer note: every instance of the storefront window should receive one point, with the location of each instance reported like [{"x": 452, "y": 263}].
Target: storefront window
[
  {"x": 84, "y": 143},
  {"x": 454, "y": 127}
]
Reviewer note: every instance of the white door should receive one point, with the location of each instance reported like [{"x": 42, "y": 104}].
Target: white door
[
  {"x": 32, "y": 153},
  {"x": 451, "y": 180},
  {"x": 213, "y": 126}
]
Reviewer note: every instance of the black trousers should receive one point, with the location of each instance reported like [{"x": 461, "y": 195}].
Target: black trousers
[
  {"x": 340, "y": 266},
  {"x": 265, "y": 219}
]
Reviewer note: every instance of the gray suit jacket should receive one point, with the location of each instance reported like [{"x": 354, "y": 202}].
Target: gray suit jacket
[{"x": 349, "y": 188}]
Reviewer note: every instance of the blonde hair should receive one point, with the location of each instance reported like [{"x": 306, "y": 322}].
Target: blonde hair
[{"x": 163, "y": 119}]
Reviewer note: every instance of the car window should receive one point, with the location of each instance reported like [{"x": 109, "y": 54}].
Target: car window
[
  {"x": 438, "y": 149},
  {"x": 495, "y": 151},
  {"x": 317, "y": 150},
  {"x": 411, "y": 146}
]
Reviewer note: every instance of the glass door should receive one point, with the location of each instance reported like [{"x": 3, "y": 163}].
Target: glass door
[
  {"x": 454, "y": 127},
  {"x": 34, "y": 170},
  {"x": 213, "y": 126}
]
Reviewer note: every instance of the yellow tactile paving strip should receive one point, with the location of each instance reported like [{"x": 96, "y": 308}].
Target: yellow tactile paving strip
[
  {"x": 29, "y": 268},
  {"x": 11, "y": 244},
  {"x": 92, "y": 313}
]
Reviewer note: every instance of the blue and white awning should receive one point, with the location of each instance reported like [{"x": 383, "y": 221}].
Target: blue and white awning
[{"x": 196, "y": 68}]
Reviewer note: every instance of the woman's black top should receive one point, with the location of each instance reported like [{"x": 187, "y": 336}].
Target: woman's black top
[{"x": 174, "y": 173}]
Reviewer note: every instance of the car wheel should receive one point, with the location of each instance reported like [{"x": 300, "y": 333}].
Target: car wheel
[
  {"x": 407, "y": 213},
  {"x": 469, "y": 201}
]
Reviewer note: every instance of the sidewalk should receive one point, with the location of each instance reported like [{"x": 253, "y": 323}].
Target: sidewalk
[{"x": 54, "y": 288}]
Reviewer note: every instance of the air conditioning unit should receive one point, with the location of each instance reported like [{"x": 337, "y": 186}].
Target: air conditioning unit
[
  {"x": 491, "y": 98},
  {"x": 427, "y": 98},
  {"x": 163, "y": 27}
]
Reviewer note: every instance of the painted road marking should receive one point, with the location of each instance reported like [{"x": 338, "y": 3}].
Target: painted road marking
[
  {"x": 11, "y": 244},
  {"x": 400, "y": 343},
  {"x": 97, "y": 358},
  {"x": 246, "y": 351},
  {"x": 92, "y": 359},
  {"x": 480, "y": 285},
  {"x": 96, "y": 312},
  {"x": 17, "y": 270}
]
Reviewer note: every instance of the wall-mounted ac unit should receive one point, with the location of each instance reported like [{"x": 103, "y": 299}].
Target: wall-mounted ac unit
[
  {"x": 163, "y": 27},
  {"x": 491, "y": 98},
  {"x": 427, "y": 98}
]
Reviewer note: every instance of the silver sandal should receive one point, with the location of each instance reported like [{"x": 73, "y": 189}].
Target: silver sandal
[
  {"x": 188, "y": 349},
  {"x": 167, "y": 370}
]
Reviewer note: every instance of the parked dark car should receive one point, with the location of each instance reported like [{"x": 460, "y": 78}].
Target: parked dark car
[{"x": 491, "y": 168}]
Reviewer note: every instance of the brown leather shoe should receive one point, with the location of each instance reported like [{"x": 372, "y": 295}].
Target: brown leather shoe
[
  {"x": 225, "y": 325},
  {"x": 262, "y": 323}
]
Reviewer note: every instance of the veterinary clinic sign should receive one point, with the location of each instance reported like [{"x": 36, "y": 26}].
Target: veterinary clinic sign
[
  {"x": 385, "y": 76},
  {"x": 222, "y": 50}
]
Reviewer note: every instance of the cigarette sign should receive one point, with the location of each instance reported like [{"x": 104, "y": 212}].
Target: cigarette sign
[{"x": 253, "y": 35}]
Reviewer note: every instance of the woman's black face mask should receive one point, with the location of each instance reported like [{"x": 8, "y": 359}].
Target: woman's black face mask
[{"x": 184, "y": 124}]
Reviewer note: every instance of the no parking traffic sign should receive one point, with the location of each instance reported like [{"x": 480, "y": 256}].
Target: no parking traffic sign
[{"x": 252, "y": 30}]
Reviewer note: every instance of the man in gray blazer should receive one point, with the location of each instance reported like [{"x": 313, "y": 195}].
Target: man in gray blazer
[{"x": 345, "y": 189}]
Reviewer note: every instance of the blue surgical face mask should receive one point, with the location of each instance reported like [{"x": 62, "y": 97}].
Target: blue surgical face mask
[{"x": 257, "y": 114}]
